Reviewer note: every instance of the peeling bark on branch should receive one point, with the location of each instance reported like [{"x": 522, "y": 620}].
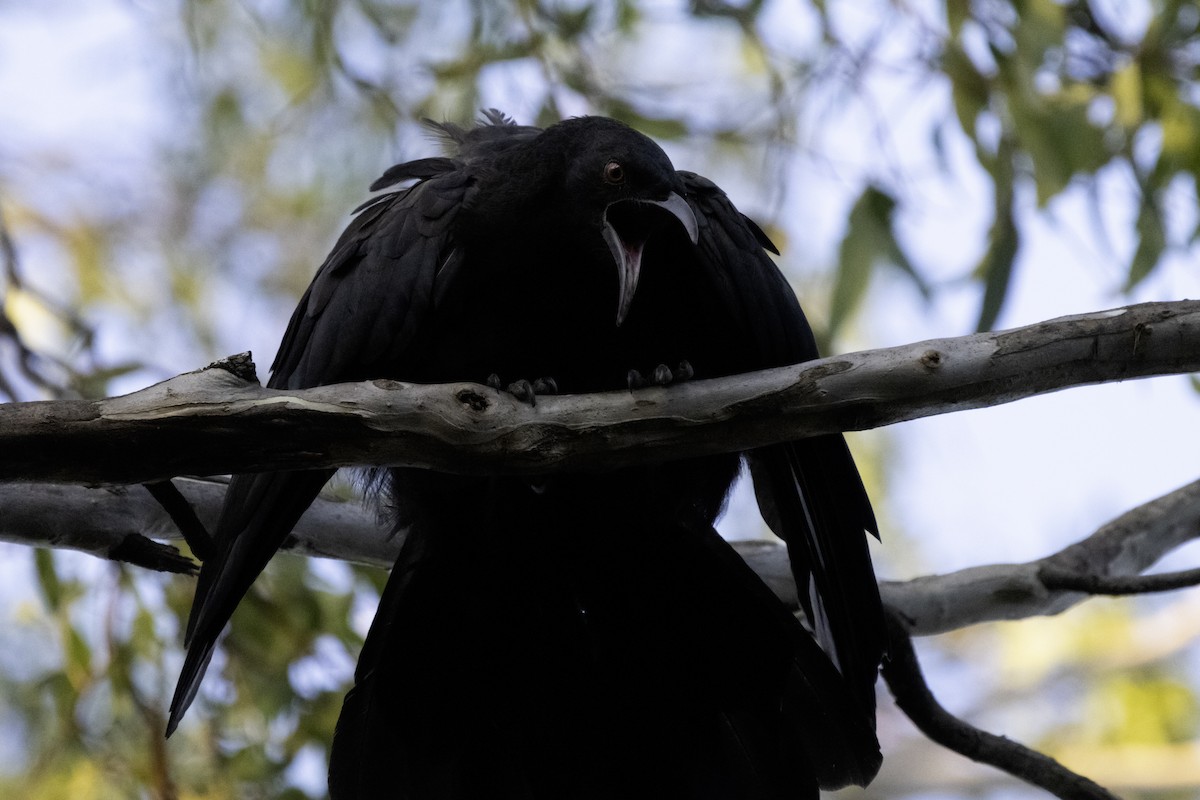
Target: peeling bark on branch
[{"x": 212, "y": 422}]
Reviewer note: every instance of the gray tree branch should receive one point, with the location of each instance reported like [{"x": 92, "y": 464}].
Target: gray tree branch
[
  {"x": 214, "y": 422},
  {"x": 1125, "y": 546},
  {"x": 99, "y": 520}
]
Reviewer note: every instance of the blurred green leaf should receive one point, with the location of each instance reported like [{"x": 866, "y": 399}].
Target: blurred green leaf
[
  {"x": 95, "y": 384},
  {"x": 870, "y": 239},
  {"x": 47, "y": 577},
  {"x": 572, "y": 23},
  {"x": 658, "y": 127},
  {"x": 78, "y": 663},
  {"x": 292, "y": 69},
  {"x": 957, "y": 13},
  {"x": 1060, "y": 138},
  {"x": 1143, "y": 707},
  {"x": 1125, "y": 86},
  {"x": 996, "y": 267},
  {"x": 1152, "y": 240},
  {"x": 90, "y": 255},
  {"x": 971, "y": 91}
]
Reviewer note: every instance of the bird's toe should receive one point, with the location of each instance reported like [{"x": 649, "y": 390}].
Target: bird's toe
[
  {"x": 524, "y": 390},
  {"x": 545, "y": 386},
  {"x": 661, "y": 376}
]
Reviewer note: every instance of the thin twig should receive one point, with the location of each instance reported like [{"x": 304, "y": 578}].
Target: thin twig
[
  {"x": 1058, "y": 579},
  {"x": 903, "y": 675}
]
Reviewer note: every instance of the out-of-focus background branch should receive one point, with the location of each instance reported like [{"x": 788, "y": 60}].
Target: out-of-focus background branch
[{"x": 171, "y": 174}]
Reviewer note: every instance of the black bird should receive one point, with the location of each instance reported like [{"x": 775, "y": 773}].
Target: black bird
[{"x": 579, "y": 635}]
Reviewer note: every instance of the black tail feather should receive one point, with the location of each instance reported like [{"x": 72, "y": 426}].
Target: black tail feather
[
  {"x": 823, "y": 716},
  {"x": 811, "y": 495},
  {"x": 259, "y": 513}
]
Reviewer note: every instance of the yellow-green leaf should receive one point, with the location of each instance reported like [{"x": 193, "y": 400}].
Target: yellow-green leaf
[{"x": 1125, "y": 86}]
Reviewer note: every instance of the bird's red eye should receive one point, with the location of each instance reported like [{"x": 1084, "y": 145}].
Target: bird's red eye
[{"x": 614, "y": 173}]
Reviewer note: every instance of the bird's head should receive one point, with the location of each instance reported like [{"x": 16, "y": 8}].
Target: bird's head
[{"x": 631, "y": 192}]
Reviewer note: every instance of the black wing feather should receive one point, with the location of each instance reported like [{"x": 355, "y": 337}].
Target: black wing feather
[
  {"x": 809, "y": 491},
  {"x": 354, "y": 322}
]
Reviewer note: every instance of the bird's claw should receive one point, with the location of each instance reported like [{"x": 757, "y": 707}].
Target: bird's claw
[
  {"x": 545, "y": 386},
  {"x": 662, "y": 376},
  {"x": 522, "y": 389}
]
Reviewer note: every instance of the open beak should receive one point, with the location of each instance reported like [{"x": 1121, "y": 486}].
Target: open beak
[{"x": 627, "y": 227}]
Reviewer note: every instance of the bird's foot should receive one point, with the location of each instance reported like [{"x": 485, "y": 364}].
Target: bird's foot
[
  {"x": 522, "y": 389},
  {"x": 662, "y": 376}
]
